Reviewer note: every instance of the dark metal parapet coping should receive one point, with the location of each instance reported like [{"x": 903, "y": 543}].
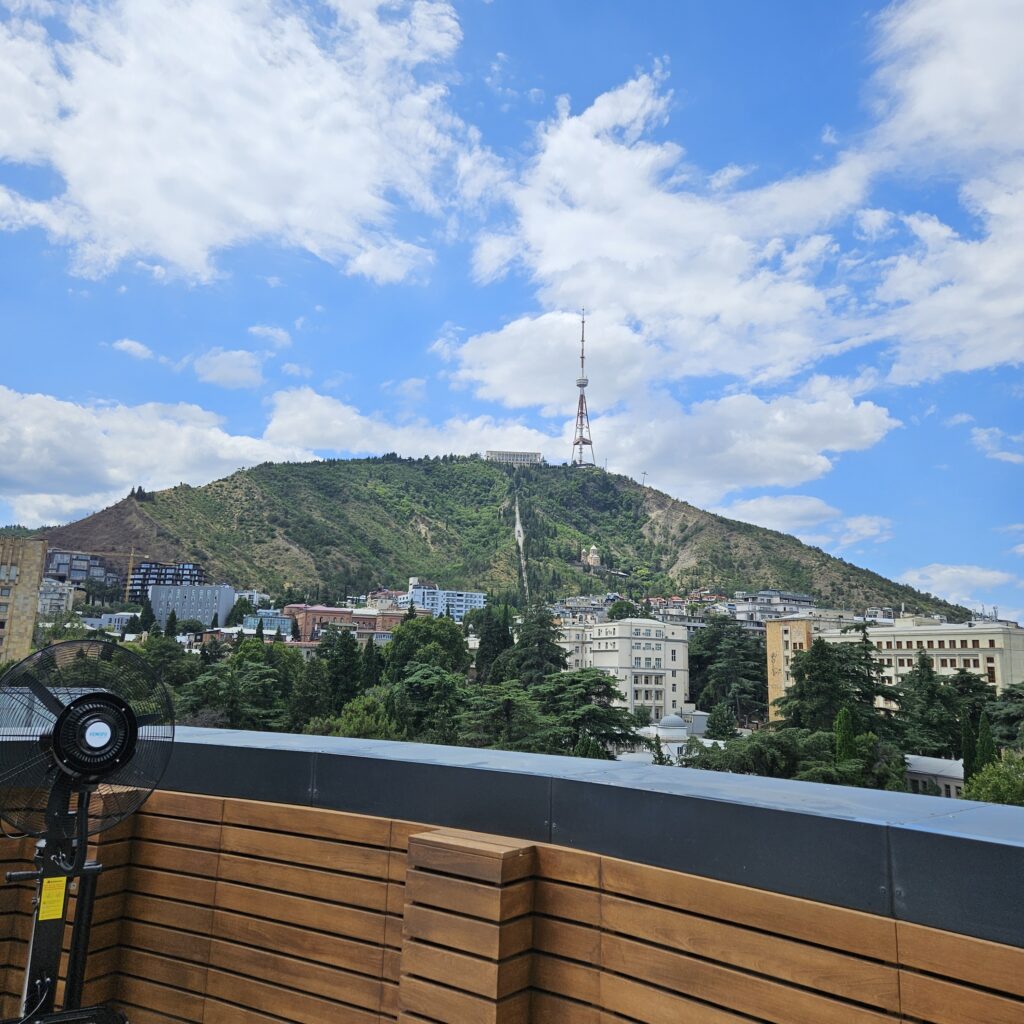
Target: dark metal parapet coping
[{"x": 956, "y": 865}]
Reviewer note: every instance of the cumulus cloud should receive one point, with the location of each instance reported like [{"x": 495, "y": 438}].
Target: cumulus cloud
[
  {"x": 135, "y": 349},
  {"x": 811, "y": 519},
  {"x": 275, "y": 335},
  {"x": 961, "y": 584},
  {"x": 234, "y": 368},
  {"x": 296, "y": 370},
  {"x": 179, "y": 130},
  {"x": 66, "y": 459},
  {"x": 997, "y": 444}
]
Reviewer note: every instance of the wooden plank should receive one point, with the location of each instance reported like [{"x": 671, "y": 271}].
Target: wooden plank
[
  {"x": 331, "y": 950},
  {"x": 140, "y": 992},
  {"x": 437, "y": 1003},
  {"x": 516, "y": 861},
  {"x": 655, "y": 1006},
  {"x": 551, "y": 1009},
  {"x": 289, "y": 972},
  {"x": 169, "y": 913},
  {"x": 153, "y": 829},
  {"x": 728, "y": 988},
  {"x": 575, "y": 942},
  {"x": 168, "y": 942},
  {"x": 308, "y": 821},
  {"x": 493, "y": 903},
  {"x": 298, "y": 1007},
  {"x": 819, "y": 969},
  {"x": 943, "y": 1002},
  {"x": 321, "y": 885},
  {"x": 483, "y": 938},
  {"x": 180, "y": 974},
  {"x": 141, "y": 1015},
  {"x": 217, "y": 1012},
  {"x": 565, "y": 978},
  {"x": 976, "y": 961},
  {"x": 572, "y": 866},
  {"x": 326, "y": 917},
  {"x": 180, "y": 859},
  {"x": 172, "y": 886},
  {"x": 566, "y": 901},
  {"x": 401, "y": 831},
  {"x": 850, "y": 930},
  {"x": 184, "y": 805},
  {"x": 494, "y": 980},
  {"x": 323, "y": 854}
]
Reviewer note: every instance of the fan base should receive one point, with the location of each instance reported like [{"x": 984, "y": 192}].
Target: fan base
[{"x": 92, "y": 1015}]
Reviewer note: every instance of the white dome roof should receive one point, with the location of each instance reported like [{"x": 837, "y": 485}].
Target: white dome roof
[{"x": 671, "y": 722}]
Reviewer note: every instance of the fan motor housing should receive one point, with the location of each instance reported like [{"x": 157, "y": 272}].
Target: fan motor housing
[{"x": 93, "y": 736}]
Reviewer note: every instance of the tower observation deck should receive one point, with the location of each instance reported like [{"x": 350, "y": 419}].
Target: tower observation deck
[{"x": 582, "y": 445}]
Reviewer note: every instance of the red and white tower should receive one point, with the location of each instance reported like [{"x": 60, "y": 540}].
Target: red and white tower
[{"x": 582, "y": 445}]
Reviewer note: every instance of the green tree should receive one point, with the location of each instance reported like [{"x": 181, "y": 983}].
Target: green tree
[
  {"x": 727, "y": 663},
  {"x": 968, "y": 746},
  {"x": 168, "y": 660},
  {"x": 426, "y": 641},
  {"x": 426, "y": 702},
  {"x": 310, "y": 696},
  {"x": 846, "y": 744},
  {"x": 239, "y": 610},
  {"x": 721, "y": 724},
  {"x": 622, "y": 609},
  {"x": 340, "y": 653},
  {"x": 259, "y": 629},
  {"x": 410, "y": 613},
  {"x": 504, "y": 716},
  {"x": 235, "y": 693},
  {"x": 147, "y": 618},
  {"x": 371, "y": 665},
  {"x": 1006, "y": 714},
  {"x": 133, "y": 625},
  {"x": 190, "y": 626},
  {"x": 495, "y": 638},
  {"x": 1001, "y": 782},
  {"x": 536, "y": 653},
  {"x": 823, "y": 684},
  {"x": 296, "y": 632},
  {"x": 986, "y": 747},
  {"x": 585, "y": 705},
  {"x": 364, "y": 717},
  {"x": 171, "y": 626},
  {"x": 929, "y": 712},
  {"x": 215, "y": 621}
]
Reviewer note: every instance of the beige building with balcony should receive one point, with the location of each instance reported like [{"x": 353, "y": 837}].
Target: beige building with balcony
[
  {"x": 650, "y": 660},
  {"x": 991, "y": 649},
  {"x": 21, "y": 572}
]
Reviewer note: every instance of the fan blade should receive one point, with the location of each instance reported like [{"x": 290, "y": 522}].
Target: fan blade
[
  {"x": 149, "y": 720},
  {"x": 43, "y": 694}
]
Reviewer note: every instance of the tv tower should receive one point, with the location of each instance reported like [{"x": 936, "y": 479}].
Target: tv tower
[{"x": 582, "y": 445}]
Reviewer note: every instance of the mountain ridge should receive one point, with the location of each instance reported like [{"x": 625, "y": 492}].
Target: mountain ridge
[{"x": 332, "y": 527}]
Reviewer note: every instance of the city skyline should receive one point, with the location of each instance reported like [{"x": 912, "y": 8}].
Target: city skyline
[{"x": 252, "y": 232}]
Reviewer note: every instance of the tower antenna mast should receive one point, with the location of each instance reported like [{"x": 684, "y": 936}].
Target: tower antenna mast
[{"x": 582, "y": 445}]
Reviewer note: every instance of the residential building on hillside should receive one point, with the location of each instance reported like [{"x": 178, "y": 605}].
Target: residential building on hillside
[
  {"x": 649, "y": 659},
  {"x": 515, "y": 458},
  {"x": 255, "y": 597},
  {"x": 78, "y": 567},
  {"x": 55, "y": 596},
  {"x": 163, "y": 574},
  {"x": 21, "y": 572},
  {"x": 767, "y": 604},
  {"x": 992, "y": 649},
  {"x": 438, "y": 602},
  {"x": 192, "y": 601}
]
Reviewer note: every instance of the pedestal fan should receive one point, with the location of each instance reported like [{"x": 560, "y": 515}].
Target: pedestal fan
[{"x": 86, "y": 730}]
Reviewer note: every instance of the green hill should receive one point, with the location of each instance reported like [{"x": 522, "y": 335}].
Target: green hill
[{"x": 335, "y": 527}]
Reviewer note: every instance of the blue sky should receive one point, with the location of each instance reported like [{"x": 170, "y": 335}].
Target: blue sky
[{"x": 233, "y": 232}]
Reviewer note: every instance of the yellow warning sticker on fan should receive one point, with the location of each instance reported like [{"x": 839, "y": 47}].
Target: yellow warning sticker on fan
[{"x": 51, "y": 899}]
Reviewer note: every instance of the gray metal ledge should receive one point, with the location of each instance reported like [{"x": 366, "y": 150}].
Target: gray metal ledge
[{"x": 956, "y": 865}]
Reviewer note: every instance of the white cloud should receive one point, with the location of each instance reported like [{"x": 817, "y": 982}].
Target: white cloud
[
  {"x": 961, "y": 584},
  {"x": 234, "y": 368},
  {"x": 275, "y": 335},
  {"x": 958, "y": 419},
  {"x": 1018, "y": 549},
  {"x": 296, "y": 370},
  {"x": 728, "y": 176},
  {"x": 829, "y": 136},
  {"x": 66, "y": 459},
  {"x": 182, "y": 129},
  {"x": 135, "y": 349},
  {"x": 872, "y": 224},
  {"x": 412, "y": 389},
  {"x": 993, "y": 442},
  {"x": 811, "y": 519}
]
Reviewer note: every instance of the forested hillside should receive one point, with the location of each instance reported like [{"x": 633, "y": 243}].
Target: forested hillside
[{"x": 324, "y": 529}]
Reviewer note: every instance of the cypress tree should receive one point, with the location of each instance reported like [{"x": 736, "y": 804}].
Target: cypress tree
[
  {"x": 846, "y": 746},
  {"x": 968, "y": 746},
  {"x": 147, "y": 618},
  {"x": 721, "y": 724},
  {"x": 370, "y": 665},
  {"x": 986, "y": 750},
  {"x": 411, "y": 613},
  {"x": 215, "y": 624},
  {"x": 296, "y": 632},
  {"x": 171, "y": 626},
  {"x": 259, "y": 629}
]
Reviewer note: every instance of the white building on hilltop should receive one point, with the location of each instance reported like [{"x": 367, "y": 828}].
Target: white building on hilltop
[{"x": 650, "y": 660}]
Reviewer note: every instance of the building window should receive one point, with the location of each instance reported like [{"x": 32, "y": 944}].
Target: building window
[
  {"x": 673, "y": 654},
  {"x": 636, "y": 663},
  {"x": 947, "y": 790},
  {"x": 931, "y": 644},
  {"x": 975, "y": 643},
  {"x": 647, "y": 662},
  {"x": 991, "y": 643},
  {"x": 657, "y": 662},
  {"x": 673, "y": 687}
]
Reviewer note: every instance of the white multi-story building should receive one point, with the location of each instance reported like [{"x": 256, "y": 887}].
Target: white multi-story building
[
  {"x": 650, "y": 660},
  {"x": 515, "y": 458},
  {"x": 438, "y": 602},
  {"x": 989, "y": 648},
  {"x": 55, "y": 596}
]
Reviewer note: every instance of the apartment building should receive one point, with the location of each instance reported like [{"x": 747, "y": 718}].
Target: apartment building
[
  {"x": 162, "y": 574},
  {"x": 649, "y": 659},
  {"x": 515, "y": 458},
  {"x": 989, "y": 648},
  {"x": 55, "y": 596},
  {"x": 438, "y": 602},
  {"x": 21, "y": 572},
  {"x": 273, "y": 620},
  {"x": 78, "y": 567},
  {"x": 200, "y": 602},
  {"x": 364, "y": 622}
]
